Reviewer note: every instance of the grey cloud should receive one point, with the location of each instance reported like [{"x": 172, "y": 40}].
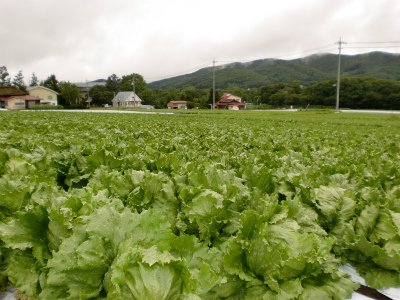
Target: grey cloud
[{"x": 79, "y": 40}]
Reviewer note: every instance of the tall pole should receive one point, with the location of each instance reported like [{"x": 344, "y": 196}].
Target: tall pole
[
  {"x": 340, "y": 43},
  {"x": 213, "y": 87},
  {"x": 87, "y": 91},
  {"x": 133, "y": 89}
]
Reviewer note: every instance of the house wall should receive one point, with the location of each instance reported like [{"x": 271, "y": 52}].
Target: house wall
[
  {"x": 182, "y": 106},
  {"x": 174, "y": 105},
  {"x": 132, "y": 104},
  {"x": 46, "y": 96},
  {"x": 15, "y": 103},
  {"x": 126, "y": 104}
]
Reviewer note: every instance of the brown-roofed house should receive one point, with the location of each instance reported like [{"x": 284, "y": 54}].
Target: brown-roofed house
[
  {"x": 177, "y": 104},
  {"x": 10, "y": 91},
  {"x": 13, "y": 98}
]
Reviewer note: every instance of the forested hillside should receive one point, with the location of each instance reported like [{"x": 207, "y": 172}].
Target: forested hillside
[{"x": 304, "y": 70}]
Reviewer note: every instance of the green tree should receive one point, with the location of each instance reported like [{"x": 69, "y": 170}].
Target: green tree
[
  {"x": 252, "y": 95},
  {"x": 393, "y": 101},
  {"x": 356, "y": 92},
  {"x": 69, "y": 92},
  {"x": 321, "y": 93},
  {"x": 52, "y": 83},
  {"x": 101, "y": 95},
  {"x": 127, "y": 84},
  {"x": 268, "y": 90},
  {"x": 112, "y": 83},
  {"x": 34, "y": 80},
  {"x": 189, "y": 93},
  {"x": 4, "y": 76},
  {"x": 160, "y": 97},
  {"x": 197, "y": 97},
  {"x": 279, "y": 98},
  {"x": 18, "y": 81}
]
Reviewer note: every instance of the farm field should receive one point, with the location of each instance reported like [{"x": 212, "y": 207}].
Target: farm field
[{"x": 198, "y": 205}]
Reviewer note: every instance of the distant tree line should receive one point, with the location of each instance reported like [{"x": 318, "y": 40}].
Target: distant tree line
[{"x": 355, "y": 92}]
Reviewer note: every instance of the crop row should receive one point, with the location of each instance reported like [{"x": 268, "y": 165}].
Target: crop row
[{"x": 207, "y": 206}]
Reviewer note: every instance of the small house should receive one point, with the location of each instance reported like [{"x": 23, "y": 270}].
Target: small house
[
  {"x": 230, "y": 101},
  {"x": 13, "y": 98},
  {"x": 47, "y": 96},
  {"x": 126, "y": 99},
  {"x": 177, "y": 104}
]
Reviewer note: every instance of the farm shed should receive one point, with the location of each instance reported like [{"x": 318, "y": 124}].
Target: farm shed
[{"x": 177, "y": 104}]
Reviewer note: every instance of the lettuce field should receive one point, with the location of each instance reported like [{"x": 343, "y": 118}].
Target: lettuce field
[{"x": 208, "y": 205}]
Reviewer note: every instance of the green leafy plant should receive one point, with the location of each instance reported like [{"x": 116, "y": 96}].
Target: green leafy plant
[{"x": 198, "y": 206}]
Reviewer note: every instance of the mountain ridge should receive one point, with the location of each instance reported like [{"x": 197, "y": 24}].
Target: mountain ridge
[{"x": 306, "y": 70}]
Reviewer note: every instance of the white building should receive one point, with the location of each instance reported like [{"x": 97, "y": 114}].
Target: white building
[{"x": 126, "y": 99}]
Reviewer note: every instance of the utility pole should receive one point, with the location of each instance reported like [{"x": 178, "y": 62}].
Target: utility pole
[
  {"x": 340, "y": 43},
  {"x": 133, "y": 89},
  {"x": 87, "y": 92},
  {"x": 213, "y": 87}
]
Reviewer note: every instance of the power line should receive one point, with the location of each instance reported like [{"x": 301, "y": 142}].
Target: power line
[
  {"x": 392, "y": 42},
  {"x": 374, "y": 45},
  {"x": 326, "y": 48},
  {"x": 369, "y": 47}
]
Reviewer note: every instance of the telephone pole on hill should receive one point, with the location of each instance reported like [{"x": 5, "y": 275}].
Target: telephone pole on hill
[
  {"x": 213, "y": 86},
  {"x": 133, "y": 89},
  {"x": 340, "y": 43},
  {"x": 87, "y": 92}
]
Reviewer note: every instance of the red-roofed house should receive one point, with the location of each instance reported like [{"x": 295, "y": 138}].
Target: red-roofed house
[
  {"x": 229, "y": 101},
  {"x": 19, "y": 102},
  {"x": 13, "y": 98}
]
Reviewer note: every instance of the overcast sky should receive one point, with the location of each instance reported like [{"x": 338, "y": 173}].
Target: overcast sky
[{"x": 80, "y": 40}]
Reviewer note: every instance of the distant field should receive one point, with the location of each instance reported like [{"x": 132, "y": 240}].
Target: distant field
[{"x": 199, "y": 204}]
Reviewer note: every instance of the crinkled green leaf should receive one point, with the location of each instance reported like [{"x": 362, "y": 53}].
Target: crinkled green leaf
[
  {"x": 27, "y": 230},
  {"x": 23, "y": 271},
  {"x": 377, "y": 277},
  {"x": 131, "y": 277},
  {"x": 14, "y": 193},
  {"x": 326, "y": 287}
]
